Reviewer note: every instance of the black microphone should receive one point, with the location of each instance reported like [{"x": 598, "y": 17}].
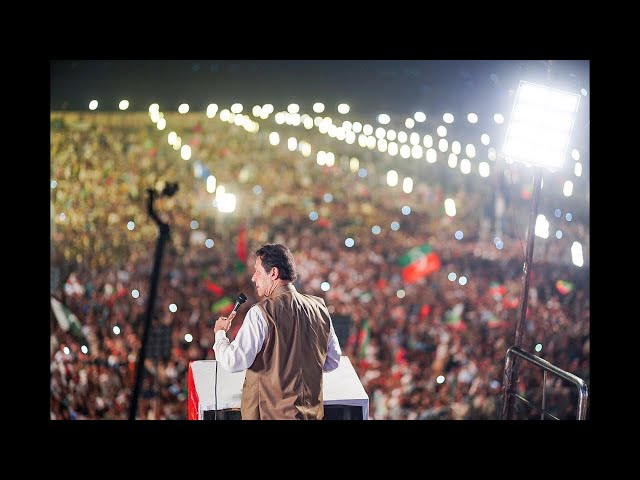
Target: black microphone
[{"x": 241, "y": 299}]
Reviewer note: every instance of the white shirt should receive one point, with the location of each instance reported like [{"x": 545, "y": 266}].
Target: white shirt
[{"x": 239, "y": 355}]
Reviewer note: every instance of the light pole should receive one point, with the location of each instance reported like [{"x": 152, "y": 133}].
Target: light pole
[
  {"x": 169, "y": 190},
  {"x": 539, "y": 130}
]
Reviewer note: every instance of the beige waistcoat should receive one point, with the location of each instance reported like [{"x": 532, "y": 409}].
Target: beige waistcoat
[{"x": 285, "y": 380}]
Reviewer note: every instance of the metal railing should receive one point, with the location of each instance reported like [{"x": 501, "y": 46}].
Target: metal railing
[{"x": 546, "y": 367}]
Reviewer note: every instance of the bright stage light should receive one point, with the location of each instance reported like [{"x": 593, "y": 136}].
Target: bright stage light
[{"x": 540, "y": 126}]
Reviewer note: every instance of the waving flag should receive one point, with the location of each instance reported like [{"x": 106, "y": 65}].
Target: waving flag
[
  {"x": 365, "y": 337},
  {"x": 564, "y": 287},
  {"x": 213, "y": 287},
  {"x": 497, "y": 290},
  {"x": 241, "y": 250},
  {"x": 418, "y": 263},
  {"x": 66, "y": 319},
  {"x": 222, "y": 306},
  {"x": 453, "y": 317}
]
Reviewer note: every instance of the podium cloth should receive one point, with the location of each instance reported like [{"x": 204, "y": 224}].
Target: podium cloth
[{"x": 340, "y": 387}]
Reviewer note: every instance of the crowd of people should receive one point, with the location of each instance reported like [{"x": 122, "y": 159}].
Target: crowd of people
[{"x": 433, "y": 348}]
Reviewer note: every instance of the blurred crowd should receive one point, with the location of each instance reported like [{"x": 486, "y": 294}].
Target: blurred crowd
[{"x": 430, "y": 349}]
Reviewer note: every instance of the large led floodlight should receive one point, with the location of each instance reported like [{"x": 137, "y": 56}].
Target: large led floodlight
[{"x": 540, "y": 127}]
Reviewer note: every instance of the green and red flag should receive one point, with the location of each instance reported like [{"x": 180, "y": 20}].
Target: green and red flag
[
  {"x": 209, "y": 285},
  {"x": 497, "y": 323},
  {"x": 510, "y": 303},
  {"x": 222, "y": 306},
  {"x": 564, "y": 287},
  {"x": 66, "y": 319},
  {"x": 364, "y": 337},
  {"x": 213, "y": 287},
  {"x": 241, "y": 250},
  {"x": 453, "y": 317},
  {"x": 419, "y": 262},
  {"x": 497, "y": 290}
]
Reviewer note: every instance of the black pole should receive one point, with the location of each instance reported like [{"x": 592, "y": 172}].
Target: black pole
[
  {"x": 155, "y": 275},
  {"x": 511, "y": 367}
]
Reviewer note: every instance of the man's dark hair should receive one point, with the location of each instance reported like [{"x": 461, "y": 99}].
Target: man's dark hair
[{"x": 278, "y": 255}]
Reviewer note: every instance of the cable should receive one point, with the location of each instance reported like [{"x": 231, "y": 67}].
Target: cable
[{"x": 215, "y": 393}]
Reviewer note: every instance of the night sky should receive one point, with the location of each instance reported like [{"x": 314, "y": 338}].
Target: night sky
[{"x": 368, "y": 86}]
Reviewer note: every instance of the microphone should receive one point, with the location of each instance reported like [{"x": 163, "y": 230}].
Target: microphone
[{"x": 241, "y": 299}]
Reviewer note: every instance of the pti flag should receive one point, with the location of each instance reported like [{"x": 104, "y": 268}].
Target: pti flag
[
  {"x": 453, "y": 317},
  {"x": 497, "y": 290},
  {"x": 365, "y": 337},
  {"x": 418, "y": 263},
  {"x": 66, "y": 319},
  {"x": 564, "y": 287},
  {"x": 213, "y": 287},
  {"x": 209, "y": 285},
  {"x": 241, "y": 250},
  {"x": 222, "y": 306}
]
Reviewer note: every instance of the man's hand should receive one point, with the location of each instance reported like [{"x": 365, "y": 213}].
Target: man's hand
[{"x": 223, "y": 323}]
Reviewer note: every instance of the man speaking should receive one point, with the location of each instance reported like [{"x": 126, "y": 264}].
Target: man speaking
[{"x": 285, "y": 343}]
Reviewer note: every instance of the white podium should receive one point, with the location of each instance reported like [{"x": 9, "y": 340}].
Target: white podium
[{"x": 211, "y": 388}]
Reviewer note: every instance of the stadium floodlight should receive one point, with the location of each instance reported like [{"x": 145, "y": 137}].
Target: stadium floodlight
[
  {"x": 538, "y": 134},
  {"x": 540, "y": 126}
]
